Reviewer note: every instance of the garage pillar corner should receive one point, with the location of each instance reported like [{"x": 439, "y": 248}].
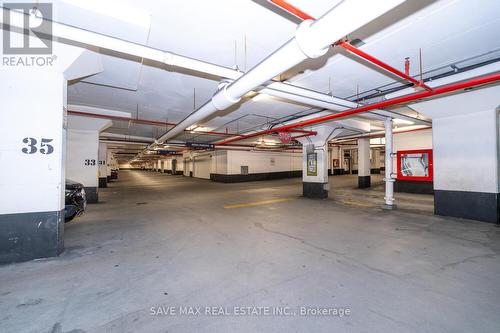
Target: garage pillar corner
[
  {"x": 364, "y": 178},
  {"x": 82, "y": 163},
  {"x": 103, "y": 151},
  {"x": 465, "y": 133},
  {"x": 315, "y": 162},
  {"x": 33, "y": 155}
]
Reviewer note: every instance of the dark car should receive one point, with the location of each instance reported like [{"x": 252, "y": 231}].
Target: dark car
[{"x": 75, "y": 200}]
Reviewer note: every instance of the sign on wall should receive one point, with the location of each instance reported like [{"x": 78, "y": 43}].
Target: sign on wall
[
  {"x": 312, "y": 164},
  {"x": 415, "y": 165}
]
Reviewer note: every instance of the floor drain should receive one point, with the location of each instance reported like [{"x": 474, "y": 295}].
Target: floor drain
[{"x": 141, "y": 203}]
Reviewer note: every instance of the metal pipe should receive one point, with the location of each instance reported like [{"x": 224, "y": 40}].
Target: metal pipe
[
  {"x": 292, "y": 9},
  {"x": 312, "y": 40},
  {"x": 380, "y": 134},
  {"x": 389, "y": 180},
  {"x": 304, "y": 16},
  {"x": 381, "y": 64},
  {"x": 67, "y": 34},
  {"x": 399, "y": 100},
  {"x": 145, "y": 121}
]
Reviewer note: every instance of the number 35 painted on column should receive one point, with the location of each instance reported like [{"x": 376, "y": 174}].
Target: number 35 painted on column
[{"x": 32, "y": 148}]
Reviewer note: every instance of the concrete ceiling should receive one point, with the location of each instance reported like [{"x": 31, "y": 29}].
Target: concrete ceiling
[{"x": 242, "y": 33}]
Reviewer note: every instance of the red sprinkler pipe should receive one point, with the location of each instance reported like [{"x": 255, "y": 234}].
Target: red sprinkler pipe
[
  {"x": 394, "y": 101},
  {"x": 144, "y": 121},
  {"x": 301, "y": 136},
  {"x": 303, "y": 131},
  {"x": 381, "y": 64},
  {"x": 292, "y": 9},
  {"x": 297, "y": 12}
]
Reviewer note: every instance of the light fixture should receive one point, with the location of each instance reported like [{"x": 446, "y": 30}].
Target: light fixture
[{"x": 398, "y": 121}]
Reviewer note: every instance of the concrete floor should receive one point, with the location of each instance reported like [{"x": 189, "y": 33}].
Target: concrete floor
[{"x": 159, "y": 240}]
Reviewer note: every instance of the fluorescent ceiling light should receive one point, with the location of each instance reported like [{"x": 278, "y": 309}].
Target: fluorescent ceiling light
[
  {"x": 398, "y": 121},
  {"x": 116, "y": 9}
]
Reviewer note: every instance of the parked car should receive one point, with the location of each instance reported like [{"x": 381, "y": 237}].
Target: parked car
[
  {"x": 114, "y": 174},
  {"x": 75, "y": 200}
]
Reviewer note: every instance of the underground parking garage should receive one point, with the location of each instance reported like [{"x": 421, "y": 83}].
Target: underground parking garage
[{"x": 173, "y": 166}]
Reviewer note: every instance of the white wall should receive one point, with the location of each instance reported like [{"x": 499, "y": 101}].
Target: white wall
[
  {"x": 225, "y": 162},
  {"x": 259, "y": 162},
  {"x": 180, "y": 163},
  {"x": 466, "y": 152},
  {"x": 127, "y": 166},
  {"x": 202, "y": 165},
  {"x": 219, "y": 162},
  {"x": 187, "y": 158},
  {"x": 421, "y": 139}
]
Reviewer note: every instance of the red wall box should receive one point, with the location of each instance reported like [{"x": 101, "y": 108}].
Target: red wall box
[{"x": 402, "y": 154}]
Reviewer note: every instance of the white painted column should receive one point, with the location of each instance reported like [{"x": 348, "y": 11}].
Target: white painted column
[
  {"x": 364, "y": 179},
  {"x": 32, "y": 155},
  {"x": 315, "y": 162},
  {"x": 109, "y": 161},
  {"x": 82, "y": 163},
  {"x": 341, "y": 160},
  {"x": 389, "y": 180},
  {"x": 103, "y": 151},
  {"x": 465, "y": 137},
  {"x": 32, "y": 158}
]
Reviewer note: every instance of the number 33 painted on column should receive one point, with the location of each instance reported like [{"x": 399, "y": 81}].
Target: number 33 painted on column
[{"x": 44, "y": 148}]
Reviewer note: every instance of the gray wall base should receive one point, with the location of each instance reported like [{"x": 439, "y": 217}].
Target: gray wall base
[
  {"x": 92, "y": 194},
  {"x": 103, "y": 182},
  {"x": 468, "y": 205},
  {"x": 411, "y": 186},
  {"x": 28, "y": 236},
  {"x": 252, "y": 177},
  {"x": 364, "y": 181},
  {"x": 315, "y": 190}
]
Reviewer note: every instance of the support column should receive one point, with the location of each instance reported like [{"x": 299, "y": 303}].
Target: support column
[
  {"x": 103, "y": 150},
  {"x": 315, "y": 162},
  {"x": 364, "y": 178},
  {"x": 389, "y": 180},
  {"x": 33, "y": 154},
  {"x": 465, "y": 137},
  {"x": 341, "y": 161},
  {"x": 109, "y": 155},
  {"x": 32, "y": 157},
  {"x": 82, "y": 164}
]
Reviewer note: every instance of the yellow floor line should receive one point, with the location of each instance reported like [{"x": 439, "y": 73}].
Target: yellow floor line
[{"x": 257, "y": 203}]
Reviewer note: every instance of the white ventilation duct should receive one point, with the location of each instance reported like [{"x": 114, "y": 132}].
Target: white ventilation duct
[
  {"x": 64, "y": 33},
  {"x": 312, "y": 39}
]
